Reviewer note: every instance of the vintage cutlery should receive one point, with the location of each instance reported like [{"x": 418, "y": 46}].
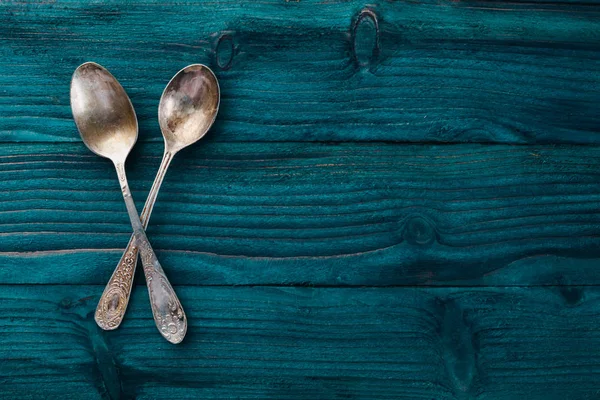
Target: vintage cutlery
[
  {"x": 187, "y": 109},
  {"x": 108, "y": 126}
]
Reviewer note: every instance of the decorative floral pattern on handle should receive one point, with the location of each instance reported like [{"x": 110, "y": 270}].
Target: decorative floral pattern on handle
[
  {"x": 166, "y": 308},
  {"x": 114, "y": 299}
]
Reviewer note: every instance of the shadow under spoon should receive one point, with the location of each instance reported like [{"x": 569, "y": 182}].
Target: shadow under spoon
[{"x": 108, "y": 126}]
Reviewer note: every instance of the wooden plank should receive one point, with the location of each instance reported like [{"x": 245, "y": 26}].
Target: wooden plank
[
  {"x": 314, "y": 214},
  {"x": 443, "y": 71},
  {"x": 293, "y": 343}
]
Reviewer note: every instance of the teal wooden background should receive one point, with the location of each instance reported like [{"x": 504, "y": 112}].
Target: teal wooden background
[{"x": 398, "y": 201}]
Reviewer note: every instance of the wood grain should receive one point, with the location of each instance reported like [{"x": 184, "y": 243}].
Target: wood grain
[
  {"x": 310, "y": 214},
  {"x": 296, "y": 343},
  {"x": 433, "y": 71},
  {"x": 316, "y": 252}
]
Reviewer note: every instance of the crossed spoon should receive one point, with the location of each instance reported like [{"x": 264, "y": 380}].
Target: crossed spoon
[{"x": 108, "y": 126}]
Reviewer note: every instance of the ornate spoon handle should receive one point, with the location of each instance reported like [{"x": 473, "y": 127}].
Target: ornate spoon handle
[
  {"x": 115, "y": 298},
  {"x": 113, "y": 302},
  {"x": 166, "y": 308}
]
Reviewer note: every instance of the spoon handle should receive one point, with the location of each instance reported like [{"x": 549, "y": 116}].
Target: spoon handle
[
  {"x": 168, "y": 313},
  {"x": 115, "y": 298}
]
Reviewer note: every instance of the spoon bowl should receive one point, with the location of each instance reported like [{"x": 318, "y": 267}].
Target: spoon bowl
[
  {"x": 188, "y": 106},
  {"x": 103, "y": 112}
]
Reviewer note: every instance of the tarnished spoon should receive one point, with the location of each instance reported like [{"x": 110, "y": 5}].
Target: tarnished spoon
[
  {"x": 188, "y": 108},
  {"x": 108, "y": 126}
]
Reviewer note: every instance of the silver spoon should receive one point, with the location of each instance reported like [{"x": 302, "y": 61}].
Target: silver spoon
[
  {"x": 108, "y": 126},
  {"x": 187, "y": 110}
]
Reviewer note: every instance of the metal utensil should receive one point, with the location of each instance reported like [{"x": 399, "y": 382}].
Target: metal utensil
[
  {"x": 108, "y": 126},
  {"x": 187, "y": 109}
]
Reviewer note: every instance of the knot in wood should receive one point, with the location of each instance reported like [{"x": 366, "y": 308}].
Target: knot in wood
[
  {"x": 365, "y": 38},
  {"x": 419, "y": 231},
  {"x": 224, "y": 51}
]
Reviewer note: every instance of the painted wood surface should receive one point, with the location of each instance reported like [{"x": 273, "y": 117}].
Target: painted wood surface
[
  {"x": 298, "y": 343},
  {"x": 443, "y": 71},
  {"x": 318, "y": 251},
  {"x": 316, "y": 214}
]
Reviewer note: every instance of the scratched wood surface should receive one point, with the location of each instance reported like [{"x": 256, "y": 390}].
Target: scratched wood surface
[
  {"x": 300, "y": 343},
  {"x": 317, "y": 214},
  {"x": 444, "y": 71},
  {"x": 399, "y": 200}
]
